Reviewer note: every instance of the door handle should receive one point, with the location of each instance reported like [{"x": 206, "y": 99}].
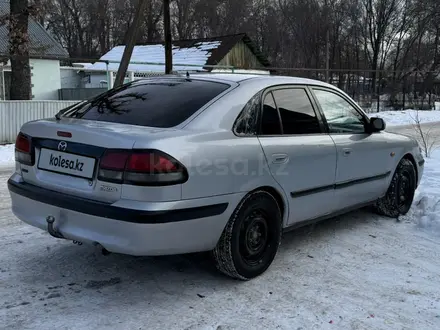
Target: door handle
[
  {"x": 280, "y": 158},
  {"x": 346, "y": 152}
]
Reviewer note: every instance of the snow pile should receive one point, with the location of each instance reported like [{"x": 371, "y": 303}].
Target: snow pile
[
  {"x": 425, "y": 212},
  {"x": 7, "y": 156},
  {"x": 191, "y": 58},
  {"x": 406, "y": 117}
]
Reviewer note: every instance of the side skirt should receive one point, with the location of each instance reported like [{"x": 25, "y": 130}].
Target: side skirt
[{"x": 327, "y": 216}]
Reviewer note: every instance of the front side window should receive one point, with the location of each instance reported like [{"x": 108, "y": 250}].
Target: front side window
[
  {"x": 296, "y": 110},
  {"x": 341, "y": 116}
]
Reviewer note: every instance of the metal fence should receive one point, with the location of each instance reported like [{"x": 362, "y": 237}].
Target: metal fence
[
  {"x": 66, "y": 94},
  {"x": 13, "y": 114},
  {"x": 374, "y": 90},
  {"x": 379, "y": 90}
]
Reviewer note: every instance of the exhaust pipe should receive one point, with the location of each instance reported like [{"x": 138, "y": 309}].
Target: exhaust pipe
[
  {"x": 51, "y": 229},
  {"x": 104, "y": 251}
]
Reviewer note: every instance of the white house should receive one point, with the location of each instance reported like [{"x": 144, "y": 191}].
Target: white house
[{"x": 45, "y": 53}]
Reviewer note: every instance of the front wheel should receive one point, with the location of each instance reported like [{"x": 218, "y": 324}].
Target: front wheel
[
  {"x": 250, "y": 240},
  {"x": 400, "y": 194}
]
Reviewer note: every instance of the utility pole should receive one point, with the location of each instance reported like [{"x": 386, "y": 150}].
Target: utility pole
[
  {"x": 327, "y": 57},
  {"x": 168, "y": 40},
  {"x": 131, "y": 41},
  {"x": 327, "y": 44}
]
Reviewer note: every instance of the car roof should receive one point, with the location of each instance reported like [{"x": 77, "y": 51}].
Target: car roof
[
  {"x": 231, "y": 77},
  {"x": 241, "y": 78},
  {"x": 263, "y": 78}
]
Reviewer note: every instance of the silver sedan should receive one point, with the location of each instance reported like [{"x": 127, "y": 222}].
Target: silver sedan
[{"x": 212, "y": 162}]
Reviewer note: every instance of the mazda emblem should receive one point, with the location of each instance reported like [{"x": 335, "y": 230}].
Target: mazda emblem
[{"x": 62, "y": 146}]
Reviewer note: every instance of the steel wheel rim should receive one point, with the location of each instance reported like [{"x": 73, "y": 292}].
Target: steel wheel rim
[
  {"x": 254, "y": 238},
  {"x": 405, "y": 190}
]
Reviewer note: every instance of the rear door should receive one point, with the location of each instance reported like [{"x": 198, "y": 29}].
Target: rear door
[
  {"x": 364, "y": 159},
  {"x": 301, "y": 157}
]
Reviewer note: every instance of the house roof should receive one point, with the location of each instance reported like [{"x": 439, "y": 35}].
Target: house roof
[
  {"x": 41, "y": 42},
  {"x": 188, "y": 55},
  {"x": 227, "y": 42}
]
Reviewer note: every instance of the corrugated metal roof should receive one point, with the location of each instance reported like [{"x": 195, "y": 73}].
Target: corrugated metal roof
[
  {"x": 42, "y": 43},
  {"x": 226, "y": 43},
  {"x": 189, "y": 58},
  {"x": 192, "y": 54}
]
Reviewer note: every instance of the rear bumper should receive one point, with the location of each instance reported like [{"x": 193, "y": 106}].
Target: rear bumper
[
  {"x": 110, "y": 211},
  {"x": 149, "y": 229}
]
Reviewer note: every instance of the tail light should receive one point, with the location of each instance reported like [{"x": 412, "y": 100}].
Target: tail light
[
  {"x": 146, "y": 168},
  {"x": 23, "y": 150}
]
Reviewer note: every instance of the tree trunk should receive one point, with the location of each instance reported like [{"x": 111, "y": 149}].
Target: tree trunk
[
  {"x": 19, "y": 51},
  {"x": 374, "y": 65}
]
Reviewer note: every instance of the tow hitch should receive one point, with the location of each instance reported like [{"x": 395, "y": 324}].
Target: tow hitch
[
  {"x": 55, "y": 233},
  {"x": 50, "y": 228}
]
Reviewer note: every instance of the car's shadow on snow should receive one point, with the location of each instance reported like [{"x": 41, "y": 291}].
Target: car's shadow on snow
[
  {"x": 62, "y": 268},
  {"x": 326, "y": 229}
]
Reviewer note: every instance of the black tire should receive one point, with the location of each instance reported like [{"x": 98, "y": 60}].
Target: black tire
[
  {"x": 250, "y": 240},
  {"x": 400, "y": 194}
]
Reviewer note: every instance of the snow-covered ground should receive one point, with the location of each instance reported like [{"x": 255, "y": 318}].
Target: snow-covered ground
[
  {"x": 406, "y": 117},
  {"x": 6, "y": 155},
  {"x": 426, "y": 210}
]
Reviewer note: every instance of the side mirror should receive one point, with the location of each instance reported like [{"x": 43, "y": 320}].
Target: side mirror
[{"x": 377, "y": 124}]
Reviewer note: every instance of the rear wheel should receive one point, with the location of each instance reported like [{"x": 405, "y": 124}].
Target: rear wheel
[
  {"x": 251, "y": 238},
  {"x": 400, "y": 194}
]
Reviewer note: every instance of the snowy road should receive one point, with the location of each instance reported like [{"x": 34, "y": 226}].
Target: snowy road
[
  {"x": 432, "y": 128},
  {"x": 359, "y": 271}
]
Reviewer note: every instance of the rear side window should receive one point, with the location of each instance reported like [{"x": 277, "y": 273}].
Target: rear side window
[
  {"x": 153, "y": 103},
  {"x": 297, "y": 114},
  {"x": 247, "y": 122},
  {"x": 270, "y": 123}
]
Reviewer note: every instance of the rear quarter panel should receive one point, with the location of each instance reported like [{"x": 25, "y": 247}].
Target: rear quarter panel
[{"x": 218, "y": 163}]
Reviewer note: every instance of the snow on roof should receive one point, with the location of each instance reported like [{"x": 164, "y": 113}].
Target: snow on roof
[{"x": 192, "y": 58}]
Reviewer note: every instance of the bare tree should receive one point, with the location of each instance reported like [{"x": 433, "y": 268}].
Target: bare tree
[
  {"x": 378, "y": 16},
  {"x": 183, "y": 18},
  {"x": 428, "y": 140},
  {"x": 398, "y": 38}
]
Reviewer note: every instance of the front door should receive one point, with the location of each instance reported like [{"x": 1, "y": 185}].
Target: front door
[
  {"x": 301, "y": 158},
  {"x": 364, "y": 163}
]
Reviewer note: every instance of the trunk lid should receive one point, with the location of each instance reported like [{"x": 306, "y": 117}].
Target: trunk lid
[{"x": 70, "y": 164}]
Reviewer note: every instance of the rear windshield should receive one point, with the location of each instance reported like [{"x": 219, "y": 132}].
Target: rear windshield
[{"x": 153, "y": 103}]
